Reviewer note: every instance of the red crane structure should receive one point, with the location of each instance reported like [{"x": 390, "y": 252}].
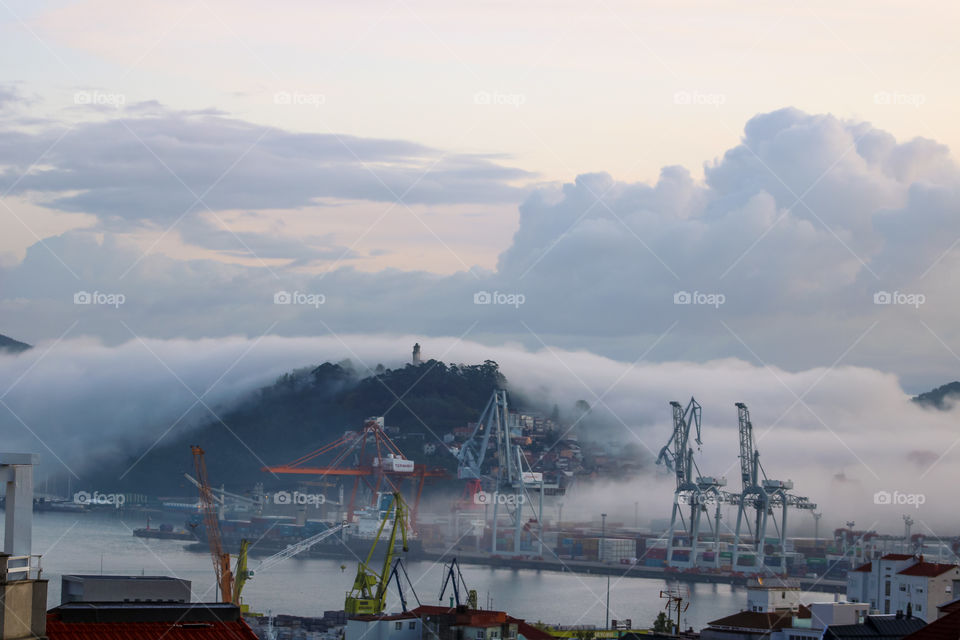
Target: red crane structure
[
  {"x": 377, "y": 461},
  {"x": 211, "y": 521}
]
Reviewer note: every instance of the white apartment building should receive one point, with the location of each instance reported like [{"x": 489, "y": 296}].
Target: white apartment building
[{"x": 895, "y": 581}]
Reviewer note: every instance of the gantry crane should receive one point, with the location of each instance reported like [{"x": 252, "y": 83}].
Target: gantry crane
[
  {"x": 371, "y": 457},
  {"x": 369, "y": 593},
  {"x": 211, "y": 521},
  {"x": 513, "y": 478},
  {"x": 696, "y": 491},
  {"x": 761, "y": 495}
]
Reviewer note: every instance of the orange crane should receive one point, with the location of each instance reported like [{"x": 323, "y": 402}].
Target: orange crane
[
  {"x": 211, "y": 521},
  {"x": 377, "y": 459}
]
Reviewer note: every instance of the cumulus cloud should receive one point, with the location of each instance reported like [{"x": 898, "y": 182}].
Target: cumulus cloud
[
  {"x": 814, "y": 240},
  {"x": 840, "y": 445}
]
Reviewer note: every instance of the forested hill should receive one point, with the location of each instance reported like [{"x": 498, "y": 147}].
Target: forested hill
[
  {"x": 12, "y": 346},
  {"x": 300, "y": 412},
  {"x": 941, "y": 397}
]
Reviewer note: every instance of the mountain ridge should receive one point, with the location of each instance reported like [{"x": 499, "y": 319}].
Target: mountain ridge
[{"x": 10, "y": 345}]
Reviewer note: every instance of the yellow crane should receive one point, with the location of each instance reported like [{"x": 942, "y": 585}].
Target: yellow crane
[
  {"x": 369, "y": 593},
  {"x": 241, "y": 573}
]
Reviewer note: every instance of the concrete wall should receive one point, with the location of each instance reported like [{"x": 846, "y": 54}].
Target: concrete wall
[{"x": 23, "y": 609}]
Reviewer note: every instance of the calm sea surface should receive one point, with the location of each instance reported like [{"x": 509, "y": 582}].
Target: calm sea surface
[{"x": 91, "y": 542}]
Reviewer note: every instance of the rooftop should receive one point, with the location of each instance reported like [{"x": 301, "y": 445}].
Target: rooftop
[
  {"x": 764, "y": 621},
  {"x": 927, "y": 569},
  {"x": 897, "y": 556},
  {"x": 82, "y": 576},
  {"x": 886, "y": 627},
  {"x": 945, "y": 628},
  {"x": 152, "y": 621},
  {"x": 465, "y": 617}
]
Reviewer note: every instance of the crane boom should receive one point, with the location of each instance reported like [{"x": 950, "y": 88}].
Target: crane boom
[
  {"x": 211, "y": 521},
  {"x": 677, "y": 454},
  {"x": 294, "y": 549},
  {"x": 748, "y": 467}
]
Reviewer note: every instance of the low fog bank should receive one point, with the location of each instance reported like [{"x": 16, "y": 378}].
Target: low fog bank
[{"x": 841, "y": 434}]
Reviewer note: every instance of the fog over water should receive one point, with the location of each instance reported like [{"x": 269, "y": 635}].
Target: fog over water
[{"x": 837, "y": 432}]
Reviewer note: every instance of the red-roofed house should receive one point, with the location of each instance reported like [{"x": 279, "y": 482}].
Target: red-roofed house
[
  {"x": 896, "y": 580},
  {"x": 945, "y": 628},
  {"x": 147, "y": 621}
]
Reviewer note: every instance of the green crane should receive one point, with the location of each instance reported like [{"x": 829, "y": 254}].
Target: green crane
[{"x": 369, "y": 593}]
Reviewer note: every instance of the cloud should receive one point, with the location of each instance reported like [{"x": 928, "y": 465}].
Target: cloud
[
  {"x": 146, "y": 163},
  {"x": 123, "y": 398},
  {"x": 813, "y": 241}
]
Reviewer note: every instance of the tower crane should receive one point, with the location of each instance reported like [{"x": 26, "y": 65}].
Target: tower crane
[
  {"x": 369, "y": 593},
  {"x": 762, "y": 496},
  {"x": 211, "y": 521},
  {"x": 695, "y": 491}
]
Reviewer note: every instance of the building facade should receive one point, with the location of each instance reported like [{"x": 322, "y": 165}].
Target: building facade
[{"x": 898, "y": 582}]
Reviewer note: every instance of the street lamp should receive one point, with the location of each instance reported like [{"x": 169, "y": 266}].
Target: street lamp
[{"x": 603, "y": 533}]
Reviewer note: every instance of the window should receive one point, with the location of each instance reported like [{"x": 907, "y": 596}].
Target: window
[
  {"x": 919, "y": 608},
  {"x": 412, "y": 625},
  {"x": 398, "y": 626},
  {"x": 481, "y": 634},
  {"x": 887, "y": 589}
]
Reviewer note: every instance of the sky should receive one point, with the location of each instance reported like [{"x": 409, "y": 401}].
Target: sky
[{"x": 742, "y": 187}]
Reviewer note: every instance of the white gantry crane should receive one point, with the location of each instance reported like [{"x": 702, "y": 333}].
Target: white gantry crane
[
  {"x": 513, "y": 481},
  {"x": 694, "y": 491},
  {"x": 761, "y": 496}
]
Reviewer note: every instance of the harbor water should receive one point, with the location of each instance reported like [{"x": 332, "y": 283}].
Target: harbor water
[{"x": 104, "y": 543}]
